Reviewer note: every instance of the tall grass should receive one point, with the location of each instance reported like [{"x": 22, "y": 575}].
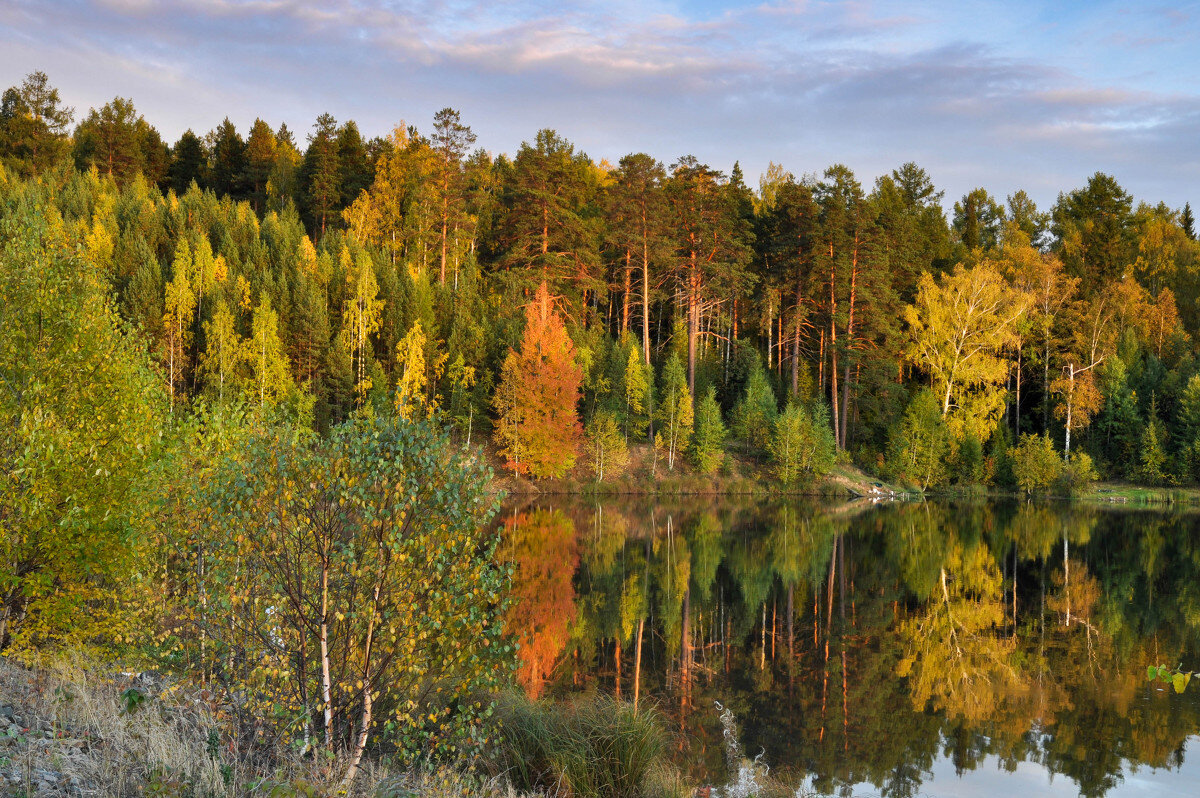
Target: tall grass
[{"x": 591, "y": 748}]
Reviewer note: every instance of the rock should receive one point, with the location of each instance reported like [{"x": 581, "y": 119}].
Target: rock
[{"x": 7, "y": 712}]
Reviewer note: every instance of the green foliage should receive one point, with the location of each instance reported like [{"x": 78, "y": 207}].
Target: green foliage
[
  {"x": 638, "y": 379},
  {"x": 1152, "y": 455},
  {"x": 755, "y": 413},
  {"x": 1036, "y": 465},
  {"x": 675, "y": 412},
  {"x": 1078, "y": 474},
  {"x": 606, "y": 446},
  {"x": 1178, "y": 679},
  {"x": 919, "y": 447},
  {"x": 708, "y": 434},
  {"x": 968, "y": 461},
  {"x": 593, "y": 748},
  {"x": 80, "y": 417},
  {"x": 802, "y": 447},
  {"x": 360, "y": 558}
]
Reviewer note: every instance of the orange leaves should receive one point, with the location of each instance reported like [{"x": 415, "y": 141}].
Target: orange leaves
[{"x": 538, "y": 427}]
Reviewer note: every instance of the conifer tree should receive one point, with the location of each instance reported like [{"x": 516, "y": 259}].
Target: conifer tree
[
  {"x": 637, "y": 382},
  {"x": 188, "y": 163},
  {"x": 322, "y": 173},
  {"x": 451, "y": 139},
  {"x": 228, "y": 160},
  {"x": 536, "y": 401},
  {"x": 708, "y": 434},
  {"x": 260, "y": 161}
]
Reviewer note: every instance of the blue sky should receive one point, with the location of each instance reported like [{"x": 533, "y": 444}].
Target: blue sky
[{"x": 1000, "y": 95}]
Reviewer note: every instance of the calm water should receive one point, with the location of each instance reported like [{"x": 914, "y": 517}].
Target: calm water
[{"x": 960, "y": 648}]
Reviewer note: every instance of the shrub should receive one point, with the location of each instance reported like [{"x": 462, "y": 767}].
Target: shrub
[
  {"x": 359, "y": 558},
  {"x": 1078, "y": 473},
  {"x": 918, "y": 448},
  {"x": 594, "y": 748},
  {"x": 1035, "y": 464}
]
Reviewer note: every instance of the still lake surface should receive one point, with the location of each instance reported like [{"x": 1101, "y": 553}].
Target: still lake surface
[{"x": 958, "y": 648}]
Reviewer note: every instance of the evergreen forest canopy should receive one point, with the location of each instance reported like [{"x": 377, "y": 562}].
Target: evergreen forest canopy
[{"x": 682, "y": 307}]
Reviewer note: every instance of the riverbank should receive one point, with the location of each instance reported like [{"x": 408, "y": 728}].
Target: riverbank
[
  {"x": 645, "y": 475},
  {"x": 71, "y": 727},
  {"x": 1138, "y": 495}
]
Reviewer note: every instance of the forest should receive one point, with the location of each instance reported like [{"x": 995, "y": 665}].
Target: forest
[
  {"x": 252, "y": 388},
  {"x": 682, "y": 308}
]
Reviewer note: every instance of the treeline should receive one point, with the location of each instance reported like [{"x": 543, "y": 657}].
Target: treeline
[{"x": 571, "y": 308}]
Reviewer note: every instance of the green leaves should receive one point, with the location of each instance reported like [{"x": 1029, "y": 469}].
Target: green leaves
[{"x": 1178, "y": 679}]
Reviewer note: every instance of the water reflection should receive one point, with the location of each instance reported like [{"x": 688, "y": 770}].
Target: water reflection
[{"x": 863, "y": 645}]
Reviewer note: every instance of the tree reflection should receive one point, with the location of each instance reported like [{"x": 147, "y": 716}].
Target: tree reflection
[
  {"x": 861, "y": 645},
  {"x": 540, "y": 546}
]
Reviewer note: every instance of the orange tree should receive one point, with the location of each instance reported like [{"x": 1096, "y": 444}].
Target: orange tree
[{"x": 538, "y": 426}]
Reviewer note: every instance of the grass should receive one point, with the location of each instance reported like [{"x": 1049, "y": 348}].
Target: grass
[
  {"x": 593, "y": 748},
  {"x": 1122, "y": 493},
  {"x": 87, "y": 730}
]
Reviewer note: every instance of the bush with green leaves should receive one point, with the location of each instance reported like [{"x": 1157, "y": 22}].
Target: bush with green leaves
[
  {"x": 1035, "y": 463},
  {"x": 1078, "y": 474},
  {"x": 360, "y": 559},
  {"x": 81, "y": 411},
  {"x": 803, "y": 447},
  {"x": 708, "y": 434}
]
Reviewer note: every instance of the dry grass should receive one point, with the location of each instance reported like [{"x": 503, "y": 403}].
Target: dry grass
[{"x": 81, "y": 732}]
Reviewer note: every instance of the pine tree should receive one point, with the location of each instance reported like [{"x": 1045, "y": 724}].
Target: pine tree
[
  {"x": 754, "y": 415},
  {"x": 260, "y": 161},
  {"x": 322, "y": 173},
  {"x": 708, "y": 434},
  {"x": 353, "y": 162},
  {"x": 451, "y": 139},
  {"x": 536, "y": 401},
  {"x": 637, "y": 395},
  {"x": 1187, "y": 221},
  {"x": 228, "y": 160},
  {"x": 112, "y": 140},
  {"x": 188, "y": 163},
  {"x": 546, "y": 230},
  {"x": 33, "y": 125},
  {"x": 1152, "y": 455}
]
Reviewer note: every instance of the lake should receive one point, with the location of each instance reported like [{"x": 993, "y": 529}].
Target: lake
[{"x": 956, "y": 648}]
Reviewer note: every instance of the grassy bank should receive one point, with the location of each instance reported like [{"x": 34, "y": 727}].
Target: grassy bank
[
  {"x": 72, "y": 728},
  {"x": 739, "y": 475},
  {"x": 1142, "y": 495}
]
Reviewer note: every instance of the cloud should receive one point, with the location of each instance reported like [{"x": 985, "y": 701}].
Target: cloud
[{"x": 975, "y": 99}]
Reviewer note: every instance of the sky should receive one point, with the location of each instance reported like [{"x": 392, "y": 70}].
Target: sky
[{"x": 1007, "y": 96}]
